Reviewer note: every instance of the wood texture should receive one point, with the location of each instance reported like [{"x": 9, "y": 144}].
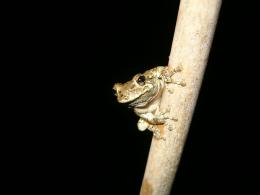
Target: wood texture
[{"x": 193, "y": 36}]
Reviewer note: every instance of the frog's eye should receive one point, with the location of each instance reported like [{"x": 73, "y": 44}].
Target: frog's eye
[{"x": 141, "y": 80}]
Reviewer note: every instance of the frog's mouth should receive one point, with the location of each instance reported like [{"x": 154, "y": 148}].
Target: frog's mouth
[
  {"x": 141, "y": 101},
  {"x": 136, "y": 103}
]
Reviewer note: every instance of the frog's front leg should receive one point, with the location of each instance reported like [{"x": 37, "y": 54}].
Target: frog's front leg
[
  {"x": 168, "y": 73},
  {"x": 165, "y": 114},
  {"x": 154, "y": 118}
]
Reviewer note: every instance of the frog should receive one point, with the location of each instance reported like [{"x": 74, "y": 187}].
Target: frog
[{"x": 143, "y": 94}]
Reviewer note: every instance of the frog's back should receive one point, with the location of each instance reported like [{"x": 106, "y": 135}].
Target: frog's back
[{"x": 155, "y": 72}]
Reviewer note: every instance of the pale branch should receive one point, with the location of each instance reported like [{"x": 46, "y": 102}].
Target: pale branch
[{"x": 191, "y": 44}]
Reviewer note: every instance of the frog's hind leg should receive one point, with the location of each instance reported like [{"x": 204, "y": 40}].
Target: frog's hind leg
[
  {"x": 156, "y": 131},
  {"x": 142, "y": 124}
]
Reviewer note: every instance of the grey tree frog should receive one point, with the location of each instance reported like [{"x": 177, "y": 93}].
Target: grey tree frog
[{"x": 143, "y": 93}]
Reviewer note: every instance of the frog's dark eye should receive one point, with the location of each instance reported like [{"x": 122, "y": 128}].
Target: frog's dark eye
[{"x": 141, "y": 80}]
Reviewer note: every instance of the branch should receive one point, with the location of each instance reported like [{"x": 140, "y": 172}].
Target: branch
[{"x": 190, "y": 49}]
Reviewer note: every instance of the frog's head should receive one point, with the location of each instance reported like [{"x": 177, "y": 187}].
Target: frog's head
[{"x": 141, "y": 90}]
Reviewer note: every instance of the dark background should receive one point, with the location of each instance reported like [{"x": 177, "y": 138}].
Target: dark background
[
  {"x": 67, "y": 133},
  {"x": 127, "y": 37}
]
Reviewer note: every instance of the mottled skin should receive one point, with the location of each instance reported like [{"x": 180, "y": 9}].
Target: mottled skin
[{"x": 143, "y": 93}]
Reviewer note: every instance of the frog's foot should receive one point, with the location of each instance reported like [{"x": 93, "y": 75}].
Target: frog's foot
[
  {"x": 180, "y": 82},
  {"x": 170, "y": 90},
  {"x": 170, "y": 127},
  {"x": 166, "y": 114},
  {"x": 168, "y": 73},
  {"x": 156, "y": 132}
]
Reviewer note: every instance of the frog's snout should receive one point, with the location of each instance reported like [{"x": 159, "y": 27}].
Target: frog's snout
[
  {"x": 119, "y": 92},
  {"x": 116, "y": 89},
  {"x": 114, "y": 92}
]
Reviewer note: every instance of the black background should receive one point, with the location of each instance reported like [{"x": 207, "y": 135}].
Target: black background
[
  {"x": 67, "y": 133},
  {"x": 127, "y": 37},
  {"x": 78, "y": 139}
]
